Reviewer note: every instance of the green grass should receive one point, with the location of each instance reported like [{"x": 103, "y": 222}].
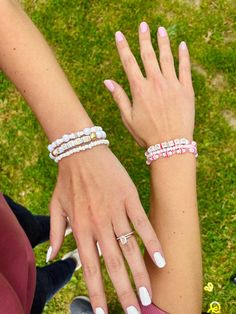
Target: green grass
[{"x": 82, "y": 36}]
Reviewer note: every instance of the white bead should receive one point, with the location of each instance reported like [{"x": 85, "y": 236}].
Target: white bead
[
  {"x": 99, "y": 134},
  {"x": 87, "y": 131}
]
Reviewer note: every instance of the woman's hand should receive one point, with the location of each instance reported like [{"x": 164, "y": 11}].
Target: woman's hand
[
  {"x": 162, "y": 107},
  {"x": 96, "y": 193}
]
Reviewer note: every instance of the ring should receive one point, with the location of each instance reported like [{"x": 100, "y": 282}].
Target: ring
[{"x": 124, "y": 238}]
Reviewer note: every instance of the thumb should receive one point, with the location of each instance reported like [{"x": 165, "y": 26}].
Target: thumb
[
  {"x": 120, "y": 98},
  {"x": 58, "y": 224}
]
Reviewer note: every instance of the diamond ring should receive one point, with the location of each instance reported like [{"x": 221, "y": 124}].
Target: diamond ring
[{"x": 124, "y": 238}]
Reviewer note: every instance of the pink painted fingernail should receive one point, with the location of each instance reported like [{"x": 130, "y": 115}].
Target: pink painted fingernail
[
  {"x": 162, "y": 31},
  {"x": 183, "y": 45},
  {"x": 119, "y": 37},
  {"x": 109, "y": 85},
  {"x": 143, "y": 27}
]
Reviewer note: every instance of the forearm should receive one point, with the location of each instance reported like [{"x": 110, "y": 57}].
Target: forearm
[
  {"x": 28, "y": 61},
  {"x": 174, "y": 215}
]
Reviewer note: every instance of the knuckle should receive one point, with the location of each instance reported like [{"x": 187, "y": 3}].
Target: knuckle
[
  {"x": 147, "y": 55},
  {"x": 95, "y": 297},
  {"x": 130, "y": 247},
  {"x": 114, "y": 264},
  {"x": 140, "y": 278},
  {"x": 166, "y": 59},
  {"x": 117, "y": 95},
  {"x": 152, "y": 244},
  {"x": 128, "y": 60},
  {"x": 125, "y": 296},
  {"x": 90, "y": 269},
  {"x": 140, "y": 221},
  {"x": 137, "y": 87},
  {"x": 186, "y": 67}
]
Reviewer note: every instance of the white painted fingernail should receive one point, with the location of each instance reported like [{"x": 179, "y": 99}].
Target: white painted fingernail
[
  {"x": 159, "y": 260},
  {"x": 132, "y": 310},
  {"x": 144, "y": 296},
  {"x": 49, "y": 253},
  {"x": 99, "y": 310}
]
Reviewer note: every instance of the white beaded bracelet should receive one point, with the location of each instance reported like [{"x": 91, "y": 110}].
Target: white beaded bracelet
[
  {"x": 81, "y": 148},
  {"x": 67, "y": 137},
  {"x": 73, "y": 143}
]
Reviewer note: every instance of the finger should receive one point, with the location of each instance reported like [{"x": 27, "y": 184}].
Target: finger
[
  {"x": 185, "y": 77},
  {"x": 144, "y": 228},
  {"x": 89, "y": 256},
  {"x": 166, "y": 57},
  {"x": 128, "y": 60},
  {"x": 116, "y": 269},
  {"x": 133, "y": 256},
  {"x": 148, "y": 54},
  {"x": 58, "y": 222},
  {"x": 120, "y": 98}
]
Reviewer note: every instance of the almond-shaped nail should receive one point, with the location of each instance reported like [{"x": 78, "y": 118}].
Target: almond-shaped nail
[
  {"x": 144, "y": 296},
  {"x": 143, "y": 27},
  {"x": 119, "y": 36},
  {"x": 183, "y": 45},
  {"x": 49, "y": 253},
  {"x": 99, "y": 310},
  {"x": 162, "y": 31},
  {"x": 132, "y": 310},
  {"x": 109, "y": 85},
  {"x": 159, "y": 260}
]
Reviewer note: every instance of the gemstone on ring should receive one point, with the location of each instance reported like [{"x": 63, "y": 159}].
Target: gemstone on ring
[{"x": 123, "y": 240}]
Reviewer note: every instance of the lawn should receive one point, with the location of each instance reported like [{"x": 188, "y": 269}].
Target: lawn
[{"x": 81, "y": 33}]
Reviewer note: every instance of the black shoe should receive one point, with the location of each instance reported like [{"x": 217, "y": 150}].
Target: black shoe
[
  {"x": 81, "y": 305},
  {"x": 233, "y": 279}
]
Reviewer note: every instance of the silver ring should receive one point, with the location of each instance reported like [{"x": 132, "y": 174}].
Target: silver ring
[{"x": 124, "y": 237}]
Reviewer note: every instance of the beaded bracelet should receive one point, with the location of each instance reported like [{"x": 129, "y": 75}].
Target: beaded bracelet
[
  {"x": 170, "y": 148},
  {"x": 67, "y": 137},
  {"x": 78, "y": 141},
  {"x": 81, "y": 148}
]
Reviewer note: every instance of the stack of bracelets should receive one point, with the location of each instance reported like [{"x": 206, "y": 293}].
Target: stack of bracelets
[
  {"x": 76, "y": 142},
  {"x": 170, "y": 148}
]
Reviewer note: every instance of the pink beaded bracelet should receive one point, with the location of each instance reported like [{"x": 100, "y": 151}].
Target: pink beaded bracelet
[{"x": 170, "y": 148}]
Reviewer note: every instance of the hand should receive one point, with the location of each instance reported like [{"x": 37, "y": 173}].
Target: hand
[
  {"x": 163, "y": 105},
  {"x": 96, "y": 193}
]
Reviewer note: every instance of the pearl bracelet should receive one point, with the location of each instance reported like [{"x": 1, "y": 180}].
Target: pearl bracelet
[
  {"x": 67, "y": 137},
  {"x": 81, "y": 148},
  {"x": 170, "y": 148},
  {"x": 73, "y": 143}
]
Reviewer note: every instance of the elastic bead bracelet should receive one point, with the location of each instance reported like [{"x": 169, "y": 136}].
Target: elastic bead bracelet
[
  {"x": 78, "y": 141},
  {"x": 67, "y": 137},
  {"x": 170, "y": 148},
  {"x": 81, "y": 148}
]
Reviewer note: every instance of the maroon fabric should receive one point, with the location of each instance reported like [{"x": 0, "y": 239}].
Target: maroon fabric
[
  {"x": 151, "y": 309},
  {"x": 17, "y": 265}
]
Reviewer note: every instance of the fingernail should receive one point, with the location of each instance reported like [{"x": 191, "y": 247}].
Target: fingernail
[
  {"x": 159, "y": 260},
  {"x": 99, "y": 310},
  {"x": 162, "y": 31},
  {"x": 132, "y": 310},
  {"x": 109, "y": 85},
  {"x": 119, "y": 36},
  {"x": 144, "y": 296},
  {"x": 143, "y": 27},
  {"x": 183, "y": 45},
  {"x": 49, "y": 252}
]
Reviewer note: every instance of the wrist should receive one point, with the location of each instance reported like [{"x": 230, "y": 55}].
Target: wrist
[
  {"x": 84, "y": 158},
  {"x": 176, "y": 163}
]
